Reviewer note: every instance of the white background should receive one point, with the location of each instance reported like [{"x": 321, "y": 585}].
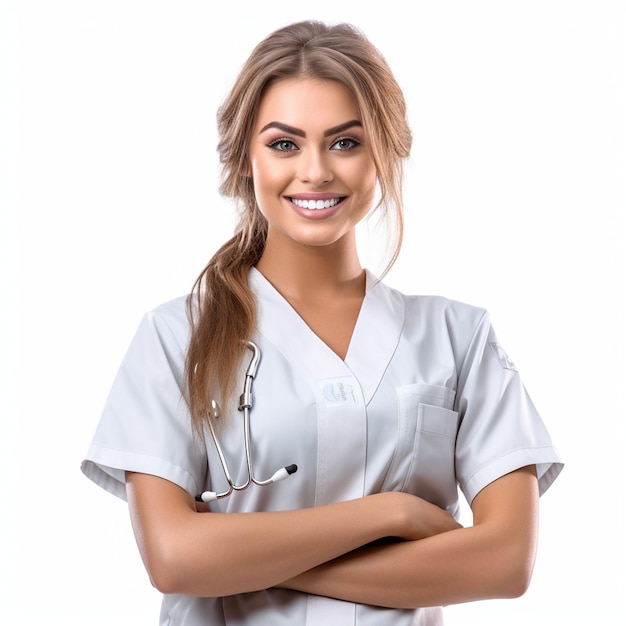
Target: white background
[{"x": 514, "y": 198}]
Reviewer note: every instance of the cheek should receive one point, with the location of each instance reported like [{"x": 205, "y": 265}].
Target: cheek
[
  {"x": 266, "y": 178},
  {"x": 361, "y": 172},
  {"x": 366, "y": 180}
]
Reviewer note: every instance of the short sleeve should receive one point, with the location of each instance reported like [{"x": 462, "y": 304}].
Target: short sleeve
[
  {"x": 145, "y": 425},
  {"x": 500, "y": 429}
]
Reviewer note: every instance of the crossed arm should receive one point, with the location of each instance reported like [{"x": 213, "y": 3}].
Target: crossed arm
[{"x": 333, "y": 550}]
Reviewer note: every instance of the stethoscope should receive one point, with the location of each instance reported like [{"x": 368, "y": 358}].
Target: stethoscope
[{"x": 245, "y": 404}]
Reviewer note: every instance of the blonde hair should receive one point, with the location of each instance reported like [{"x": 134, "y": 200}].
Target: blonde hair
[{"x": 221, "y": 306}]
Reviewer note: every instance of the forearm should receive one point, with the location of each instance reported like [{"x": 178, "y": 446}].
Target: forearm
[
  {"x": 251, "y": 551},
  {"x": 494, "y": 558},
  {"x": 458, "y": 566},
  {"x": 213, "y": 554}
]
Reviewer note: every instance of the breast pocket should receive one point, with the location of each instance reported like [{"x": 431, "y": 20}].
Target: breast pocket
[{"x": 424, "y": 460}]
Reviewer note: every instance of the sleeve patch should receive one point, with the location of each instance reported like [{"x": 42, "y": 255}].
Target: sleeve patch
[{"x": 503, "y": 357}]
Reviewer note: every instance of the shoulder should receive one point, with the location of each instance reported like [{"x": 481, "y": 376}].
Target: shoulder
[
  {"x": 168, "y": 322},
  {"x": 440, "y": 325},
  {"x": 442, "y": 307},
  {"x": 173, "y": 311},
  {"x": 437, "y": 309}
]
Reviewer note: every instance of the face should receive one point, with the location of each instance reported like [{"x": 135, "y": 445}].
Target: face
[{"x": 313, "y": 172}]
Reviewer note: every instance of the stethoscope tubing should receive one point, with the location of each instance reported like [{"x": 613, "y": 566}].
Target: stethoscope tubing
[{"x": 245, "y": 405}]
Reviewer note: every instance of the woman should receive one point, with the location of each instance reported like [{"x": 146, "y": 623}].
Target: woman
[{"x": 386, "y": 403}]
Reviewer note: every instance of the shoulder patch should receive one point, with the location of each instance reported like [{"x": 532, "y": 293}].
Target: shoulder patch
[{"x": 503, "y": 357}]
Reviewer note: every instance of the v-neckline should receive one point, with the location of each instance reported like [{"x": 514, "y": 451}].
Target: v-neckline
[
  {"x": 310, "y": 328},
  {"x": 374, "y": 338}
]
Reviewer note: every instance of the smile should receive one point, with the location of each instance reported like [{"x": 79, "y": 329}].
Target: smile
[{"x": 316, "y": 204}]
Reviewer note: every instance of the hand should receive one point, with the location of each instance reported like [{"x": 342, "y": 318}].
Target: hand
[{"x": 417, "y": 518}]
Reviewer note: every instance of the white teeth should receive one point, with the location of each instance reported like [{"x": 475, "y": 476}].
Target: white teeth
[{"x": 315, "y": 204}]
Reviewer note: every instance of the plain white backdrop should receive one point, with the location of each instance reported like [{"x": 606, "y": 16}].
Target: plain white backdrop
[{"x": 514, "y": 199}]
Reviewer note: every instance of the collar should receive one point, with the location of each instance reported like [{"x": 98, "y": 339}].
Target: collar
[{"x": 372, "y": 345}]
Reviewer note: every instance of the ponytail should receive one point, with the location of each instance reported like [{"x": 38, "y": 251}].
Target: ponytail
[{"x": 222, "y": 313}]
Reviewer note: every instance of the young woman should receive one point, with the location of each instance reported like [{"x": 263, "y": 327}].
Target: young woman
[{"x": 386, "y": 403}]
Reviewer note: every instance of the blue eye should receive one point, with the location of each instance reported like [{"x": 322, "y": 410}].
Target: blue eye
[
  {"x": 283, "y": 145},
  {"x": 345, "y": 143}
]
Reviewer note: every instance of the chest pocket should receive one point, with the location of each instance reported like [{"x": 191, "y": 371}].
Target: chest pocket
[{"x": 423, "y": 463}]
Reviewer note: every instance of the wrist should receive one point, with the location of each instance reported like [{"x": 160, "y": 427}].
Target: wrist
[{"x": 391, "y": 513}]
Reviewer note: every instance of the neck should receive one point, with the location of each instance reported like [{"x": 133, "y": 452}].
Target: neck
[{"x": 309, "y": 272}]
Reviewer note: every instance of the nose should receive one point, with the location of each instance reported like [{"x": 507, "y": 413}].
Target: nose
[{"x": 314, "y": 167}]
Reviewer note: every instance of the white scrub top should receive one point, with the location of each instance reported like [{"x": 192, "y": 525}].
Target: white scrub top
[{"x": 426, "y": 402}]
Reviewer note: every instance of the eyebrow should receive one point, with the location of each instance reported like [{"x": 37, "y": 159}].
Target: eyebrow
[{"x": 300, "y": 133}]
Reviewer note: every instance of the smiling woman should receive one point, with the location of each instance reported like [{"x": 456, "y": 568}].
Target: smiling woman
[
  {"x": 392, "y": 406},
  {"x": 314, "y": 181},
  {"x": 313, "y": 172}
]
